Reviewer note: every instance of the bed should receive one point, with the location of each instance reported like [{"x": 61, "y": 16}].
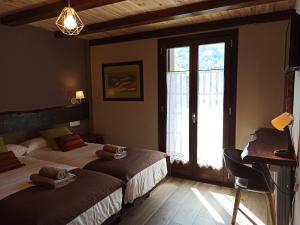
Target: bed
[
  {"x": 19, "y": 197},
  {"x": 141, "y": 180}
]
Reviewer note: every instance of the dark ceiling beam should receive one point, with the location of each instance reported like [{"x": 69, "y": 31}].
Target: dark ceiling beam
[
  {"x": 51, "y": 10},
  {"x": 200, "y": 27},
  {"x": 179, "y": 12}
]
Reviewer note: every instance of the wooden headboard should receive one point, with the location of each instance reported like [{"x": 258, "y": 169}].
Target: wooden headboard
[{"x": 17, "y": 121}]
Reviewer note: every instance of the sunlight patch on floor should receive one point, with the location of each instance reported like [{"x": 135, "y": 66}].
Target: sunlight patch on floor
[
  {"x": 227, "y": 202},
  {"x": 210, "y": 209}
]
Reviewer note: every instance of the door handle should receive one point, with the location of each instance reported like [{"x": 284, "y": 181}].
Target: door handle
[{"x": 194, "y": 118}]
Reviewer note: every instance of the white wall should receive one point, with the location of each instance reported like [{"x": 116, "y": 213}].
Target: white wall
[{"x": 295, "y": 135}]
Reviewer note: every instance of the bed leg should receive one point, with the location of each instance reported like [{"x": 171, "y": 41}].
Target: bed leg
[
  {"x": 119, "y": 219},
  {"x": 129, "y": 205}
]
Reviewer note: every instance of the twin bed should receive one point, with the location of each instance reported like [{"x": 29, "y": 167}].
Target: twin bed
[
  {"x": 24, "y": 203},
  {"x": 100, "y": 191},
  {"x": 141, "y": 169}
]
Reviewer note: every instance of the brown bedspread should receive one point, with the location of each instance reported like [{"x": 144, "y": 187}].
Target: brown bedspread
[
  {"x": 136, "y": 160},
  {"x": 40, "y": 206}
]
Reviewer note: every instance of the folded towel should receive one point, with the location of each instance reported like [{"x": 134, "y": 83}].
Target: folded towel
[
  {"x": 54, "y": 173},
  {"x": 105, "y": 155},
  {"x": 110, "y": 156},
  {"x": 113, "y": 148},
  {"x": 120, "y": 155},
  {"x": 52, "y": 183}
]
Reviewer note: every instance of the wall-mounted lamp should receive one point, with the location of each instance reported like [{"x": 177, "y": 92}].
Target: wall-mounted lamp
[
  {"x": 78, "y": 97},
  {"x": 282, "y": 123}
]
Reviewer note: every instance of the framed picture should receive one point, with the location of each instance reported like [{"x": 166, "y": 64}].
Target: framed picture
[{"x": 123, "y": 81}]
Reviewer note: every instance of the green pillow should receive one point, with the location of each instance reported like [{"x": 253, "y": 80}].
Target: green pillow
[
  {"x": 3, "y": 147},
  {"x": 51, "y": 134}
]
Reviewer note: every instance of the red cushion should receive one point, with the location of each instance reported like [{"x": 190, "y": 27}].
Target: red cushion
[
  {"x": 8, "y": 161},
  {"x": 69, "y": 142}
]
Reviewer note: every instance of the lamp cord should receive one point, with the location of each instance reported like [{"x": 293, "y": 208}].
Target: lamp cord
[{"x": 286, "y": 192}]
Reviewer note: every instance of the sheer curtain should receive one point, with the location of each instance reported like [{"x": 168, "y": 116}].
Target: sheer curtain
[
  {"x": 178, "y": 116},
  {"x": 210, "y": 119},
  {"x": 210, "y": 105}
]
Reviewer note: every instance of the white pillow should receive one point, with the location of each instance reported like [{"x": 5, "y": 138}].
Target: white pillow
[
  {"x": 35, "y": 143},
  {"x": 18, "y": 150}
]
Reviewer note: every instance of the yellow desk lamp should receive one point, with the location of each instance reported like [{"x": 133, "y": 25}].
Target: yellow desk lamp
[{"x": 282, "y": 123}]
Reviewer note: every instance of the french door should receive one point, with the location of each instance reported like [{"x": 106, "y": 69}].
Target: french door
[{"x": 197, "y": 92}]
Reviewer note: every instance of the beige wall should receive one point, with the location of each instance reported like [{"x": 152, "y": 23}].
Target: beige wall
[
  {"x": 259, "y": 91},
  {"x": 260, "y": 85},
  {"x": 126, "y": 123},
  {"x": 39, "y": 70}
]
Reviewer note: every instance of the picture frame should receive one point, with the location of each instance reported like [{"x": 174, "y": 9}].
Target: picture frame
[{"x": 123, "y": 81}]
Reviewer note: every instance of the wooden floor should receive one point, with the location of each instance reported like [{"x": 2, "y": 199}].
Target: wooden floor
[{"x": 184, "y": 202}]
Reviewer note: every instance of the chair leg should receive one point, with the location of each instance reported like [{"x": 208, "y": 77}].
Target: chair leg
[
  {"x": 236, "y": 205},
  {"x": 271, "y": 208}
]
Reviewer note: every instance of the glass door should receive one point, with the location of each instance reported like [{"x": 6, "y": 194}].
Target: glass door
[
  {"x": 208, "y": 112},
  {"x": 197, "y": 104},
  {"x": 211, "y": 60}
]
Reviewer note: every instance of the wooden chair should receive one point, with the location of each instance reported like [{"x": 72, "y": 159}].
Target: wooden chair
[{"x": 256, "y": 178}]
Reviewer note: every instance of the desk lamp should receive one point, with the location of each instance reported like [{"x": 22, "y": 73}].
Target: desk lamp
[{"x": 282, "y": 123}]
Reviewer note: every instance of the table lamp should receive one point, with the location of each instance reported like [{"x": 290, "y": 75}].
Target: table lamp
[{"x": 282, "y": 123}]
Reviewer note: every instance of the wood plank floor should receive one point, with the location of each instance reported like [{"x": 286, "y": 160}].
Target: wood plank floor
[{"x": 184, "y": 202}]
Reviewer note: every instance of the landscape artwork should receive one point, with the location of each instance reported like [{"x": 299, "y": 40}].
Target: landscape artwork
[{"x": 123, "y": 81}]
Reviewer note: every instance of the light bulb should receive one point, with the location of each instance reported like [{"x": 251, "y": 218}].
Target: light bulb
[{"x": 70, "y": 22}]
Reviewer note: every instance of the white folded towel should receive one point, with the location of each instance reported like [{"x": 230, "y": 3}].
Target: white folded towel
[
  {"x": 120, "y": 155},
  {"x": 113, "y": 148},
  {"x": 110, "y": 156}
]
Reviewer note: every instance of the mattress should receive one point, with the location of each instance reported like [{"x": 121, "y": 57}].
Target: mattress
[
  {"x": 136, "y": 187},
  {"x": 18, "y": 179}
]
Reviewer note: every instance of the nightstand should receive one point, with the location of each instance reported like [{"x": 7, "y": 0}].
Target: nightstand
[{"x": 93, "y": 138}]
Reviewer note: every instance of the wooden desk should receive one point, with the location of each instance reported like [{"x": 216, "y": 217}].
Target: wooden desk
[{"x": 261, "y": 149}]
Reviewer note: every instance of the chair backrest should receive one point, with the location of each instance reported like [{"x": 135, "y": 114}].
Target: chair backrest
[
  {"x": 258, "y": 176},
  {"x": 233, "y": 162}
]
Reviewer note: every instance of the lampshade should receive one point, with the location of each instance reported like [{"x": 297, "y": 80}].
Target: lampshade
[
  {"x": 79, "y": 95},
  {"x": 281, "y": 121},
  {"x": 69, "y": 22}
]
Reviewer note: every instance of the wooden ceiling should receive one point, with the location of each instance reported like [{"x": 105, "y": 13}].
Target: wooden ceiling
[{"x": 106, "y": 19}]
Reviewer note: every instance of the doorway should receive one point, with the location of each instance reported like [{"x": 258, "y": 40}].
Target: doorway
[{"x": 197, "y": 98}]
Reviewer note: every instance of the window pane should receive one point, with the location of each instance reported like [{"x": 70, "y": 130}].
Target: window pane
[
  {"x": 178, "y": 59},
  {"x": 211, "y": 56}
]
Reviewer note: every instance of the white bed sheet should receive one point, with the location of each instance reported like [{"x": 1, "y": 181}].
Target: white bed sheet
[
  {"x": 78, "y": 157},
  {"x": 101, "y": 211},
  {"x": 18, "y": 179},
  {"x": 136, "y": 187}
]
